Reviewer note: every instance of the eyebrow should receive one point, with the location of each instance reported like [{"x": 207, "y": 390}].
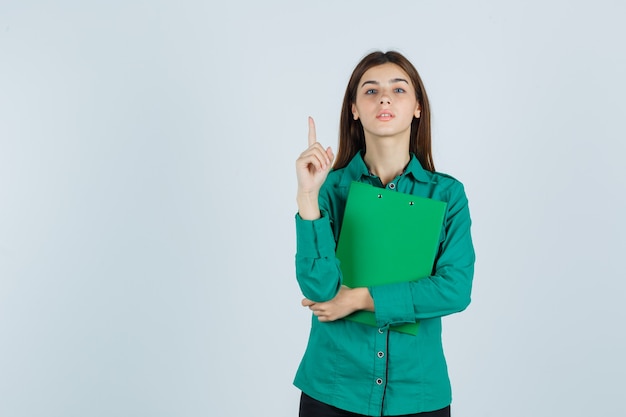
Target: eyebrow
[{"x": 393, "y": 80}]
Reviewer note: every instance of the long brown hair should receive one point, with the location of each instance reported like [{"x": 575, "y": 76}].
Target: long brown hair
[{"x": 351, "y": 135}]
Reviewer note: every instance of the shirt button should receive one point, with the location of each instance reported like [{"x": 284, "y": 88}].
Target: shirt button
[
  {"x": 381, "y": 354},
  {"x": 392, "y": 186},
  {"x": 379, "y": 381},
  {"x": 381, "y": 331}
]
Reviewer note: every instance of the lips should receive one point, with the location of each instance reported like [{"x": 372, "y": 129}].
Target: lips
[{"x": 385, "y": 115}]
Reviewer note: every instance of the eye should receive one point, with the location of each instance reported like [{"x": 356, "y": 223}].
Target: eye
[
  {"x": 370, "y": 91},
  {"x": 399, "y": 90}
]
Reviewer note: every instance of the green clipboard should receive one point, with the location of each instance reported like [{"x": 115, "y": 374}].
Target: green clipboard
[{"x": 387, "y": 237}]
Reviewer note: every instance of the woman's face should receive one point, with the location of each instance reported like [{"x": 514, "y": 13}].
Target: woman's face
[{"x": 385, "y": 102}]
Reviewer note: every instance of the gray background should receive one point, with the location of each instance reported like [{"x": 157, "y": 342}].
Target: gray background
[{"x": 147, "y": 194}]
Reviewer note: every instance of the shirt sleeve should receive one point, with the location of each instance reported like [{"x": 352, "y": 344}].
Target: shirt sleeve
[
  {"x": 317, "y": 268},
  {"x": 445, "y": 292}
]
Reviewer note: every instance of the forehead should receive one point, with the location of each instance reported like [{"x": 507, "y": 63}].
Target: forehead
[{"x": 384, "y": 73}]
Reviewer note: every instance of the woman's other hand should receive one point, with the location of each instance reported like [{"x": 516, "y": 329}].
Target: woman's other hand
[{"x": 346, "y": 302}]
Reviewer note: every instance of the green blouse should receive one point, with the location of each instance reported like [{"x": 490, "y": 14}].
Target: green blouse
[{"x": 369, "y": 370}]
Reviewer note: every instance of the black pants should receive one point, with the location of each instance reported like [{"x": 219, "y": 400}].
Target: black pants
[{"x": 310, "y": 407}]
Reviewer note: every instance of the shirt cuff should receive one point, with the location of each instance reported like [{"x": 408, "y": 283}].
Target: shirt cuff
[
  {"x": 393, "y": 304},
  {"x": 315, "y": 238}
]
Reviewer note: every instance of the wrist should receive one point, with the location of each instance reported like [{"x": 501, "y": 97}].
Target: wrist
[
  {"x": 308, "y": 206},
  {"x": 364, "y": 300}
]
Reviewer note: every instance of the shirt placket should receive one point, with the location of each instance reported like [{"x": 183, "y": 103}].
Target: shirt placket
[
  {"x": 380, "y": 369},
  {"x": 381, "y": 350}
]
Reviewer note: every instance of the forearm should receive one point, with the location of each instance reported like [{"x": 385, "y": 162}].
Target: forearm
[
  {"x": 317, "y": 268},
  {"x": 429, "y": 297}
]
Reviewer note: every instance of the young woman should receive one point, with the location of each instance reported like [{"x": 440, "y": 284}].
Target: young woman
[{"x": 351, "y": 369}]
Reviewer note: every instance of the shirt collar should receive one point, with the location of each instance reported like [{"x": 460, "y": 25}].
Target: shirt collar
[
  {"x": 415, "y": 168},
  {"x": 357, "y": 169}
]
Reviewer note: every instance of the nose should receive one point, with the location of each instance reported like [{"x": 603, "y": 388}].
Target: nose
[{"x": 385, "y": 99}]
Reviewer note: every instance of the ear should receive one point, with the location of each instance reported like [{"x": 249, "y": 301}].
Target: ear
[
  {"x": 418, "y": 111},
  {"x": 355, "y": 112}
]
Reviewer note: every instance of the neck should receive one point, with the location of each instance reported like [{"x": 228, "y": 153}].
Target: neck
[{"x": 385, "y": 158}]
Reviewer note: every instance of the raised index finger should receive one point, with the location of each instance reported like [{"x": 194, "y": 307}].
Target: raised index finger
[{"x": 312, "y": 135}]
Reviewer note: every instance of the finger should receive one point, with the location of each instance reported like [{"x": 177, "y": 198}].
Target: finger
[
  {"x": 314, "y": 157},
  {"x": 312, "y": 134},
  {"x": 306, "y": 302},
  {"x": 330, "y": 155},
  {"x": 325, "y": 156}
]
